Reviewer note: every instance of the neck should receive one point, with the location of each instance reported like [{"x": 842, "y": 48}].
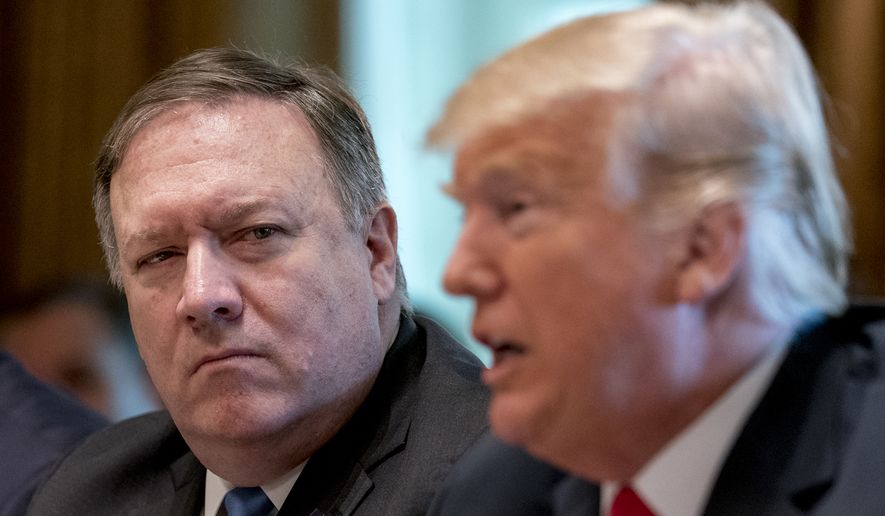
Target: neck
[
  {"x": 698, "y": 368},
  {"x": 388, "y": 321},
  {"x": 257, "y": 460}
]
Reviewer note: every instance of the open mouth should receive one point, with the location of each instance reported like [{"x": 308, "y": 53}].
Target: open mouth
[
  {"x": 505, "y": 354},
  {"x": 506, "y": 350}
]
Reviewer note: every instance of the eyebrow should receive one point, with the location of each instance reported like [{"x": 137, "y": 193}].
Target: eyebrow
[
  {"x": 494, "y": 178},
  {"x": 228, "y": 215},
  {"x": 141, "y": 236},
  {"x": 241, "y": 210}
]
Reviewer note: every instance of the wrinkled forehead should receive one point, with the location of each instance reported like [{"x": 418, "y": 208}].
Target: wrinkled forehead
[
  {"x": 251, "y": 142},
  {"x": 266, "y": 133}
]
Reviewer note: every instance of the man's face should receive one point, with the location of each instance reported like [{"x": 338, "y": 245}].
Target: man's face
[
  {"x": 252, "y": 303},
  {"x": 568, "y": 289}
]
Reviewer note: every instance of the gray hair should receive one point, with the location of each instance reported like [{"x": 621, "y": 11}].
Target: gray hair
[
  {"x": 217, "y": 75},
  {"x": 717, "y": 104}
]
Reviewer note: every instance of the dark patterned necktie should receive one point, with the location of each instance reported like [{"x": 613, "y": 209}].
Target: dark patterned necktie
[{"x": 247, "y": 501}]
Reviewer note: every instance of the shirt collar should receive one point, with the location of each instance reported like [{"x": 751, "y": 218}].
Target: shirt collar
[
  {"x": 679, "y": 478},
  {"x": 277, "y": 490}
]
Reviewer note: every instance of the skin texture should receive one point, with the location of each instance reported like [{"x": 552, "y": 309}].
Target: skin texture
[
  {"x": 609, "y": 323},
  {"x": 257, "y": 312}
]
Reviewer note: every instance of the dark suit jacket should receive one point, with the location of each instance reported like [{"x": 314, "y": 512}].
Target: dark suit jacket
[
  {"x": 427, "y": 406},
  {"x": 495, "y": 478},
  {"x": 815, "y": 444},
  {"x": 38, "y": 425}
]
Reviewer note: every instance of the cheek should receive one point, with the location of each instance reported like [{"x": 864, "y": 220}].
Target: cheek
[
  {"x": 148, "y": 325},
  {"x": 331, "y": 306},
  {"x": 308, "y": 301},
  {"x": 561, "y": 298},
  {"x": 586, "y": 285},
  {"x": 156, "y": 360}
]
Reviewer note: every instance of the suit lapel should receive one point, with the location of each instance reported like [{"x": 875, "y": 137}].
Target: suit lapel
[
  {"x": 786, "y": 458},
  {"x": 337, "y": 478},
  {"x": 573, "y": 496},
  {"x": 189, "y": 479}
]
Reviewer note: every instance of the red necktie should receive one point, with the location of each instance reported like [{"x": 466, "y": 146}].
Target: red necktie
[{"x": 628, "y": 503}]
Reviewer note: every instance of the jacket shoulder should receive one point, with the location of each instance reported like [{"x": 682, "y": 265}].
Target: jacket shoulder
[
  {"x": 39, "y": 426},
  {"x": 115, "y": 469},
  {"x": 451, "y": 397},
  {"x": 446, "y": 413}
]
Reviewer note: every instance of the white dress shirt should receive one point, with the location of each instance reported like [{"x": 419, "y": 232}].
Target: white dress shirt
[{"x": 277, "y": 491}]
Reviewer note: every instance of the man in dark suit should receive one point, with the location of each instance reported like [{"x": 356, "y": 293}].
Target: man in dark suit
[
  {"x": 243, "y": 211},
  {"x": 657, "y": 243},
  {"x": 38, "y": 426}
]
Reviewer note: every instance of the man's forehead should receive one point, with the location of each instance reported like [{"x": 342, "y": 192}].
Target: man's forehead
[
  {"x": 539, "y": 144},
  {"x": 493, "y": 162},
  {"x": 242, "y": 113},
  {"x": 242, "y": 147},
  {"x": 245, "y": 127}
]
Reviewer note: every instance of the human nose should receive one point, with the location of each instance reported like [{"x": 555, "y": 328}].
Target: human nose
[
  {"x": 209, "y": 291},
  {"x": 470, "y": 270}
]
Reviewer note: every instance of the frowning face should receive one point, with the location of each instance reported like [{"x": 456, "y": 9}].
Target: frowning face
[{"x": 252, "y": 302}]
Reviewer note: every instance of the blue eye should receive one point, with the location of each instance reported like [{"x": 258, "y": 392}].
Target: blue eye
[{"x": 263, "y": 232}]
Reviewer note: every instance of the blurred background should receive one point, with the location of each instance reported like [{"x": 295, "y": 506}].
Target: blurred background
[{"x": 67, "y": 67}]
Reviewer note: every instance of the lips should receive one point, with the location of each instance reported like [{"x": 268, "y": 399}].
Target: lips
[
  {"x": 500, "y": 346},
  {"x": 505, "y": 354},
  {"x": 506, "y": 350},
  {"x": 223, "y": 356}
]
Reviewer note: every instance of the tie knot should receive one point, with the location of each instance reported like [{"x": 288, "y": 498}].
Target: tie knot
[
  {"x": 628, "y": 503},
  {"x": 247, "y": 501}
]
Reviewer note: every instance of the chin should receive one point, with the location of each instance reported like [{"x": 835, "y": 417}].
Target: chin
[
  {"x": 511, "y": 421},
  {"x": 232, "y": 420}
]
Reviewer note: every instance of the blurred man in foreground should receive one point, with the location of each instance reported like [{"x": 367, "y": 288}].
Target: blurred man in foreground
[
  {"x": 656, "y": 242},
  {"x": 38, "y": 426},
  {"x": 243, "y": 211},
  {"x": 74, "y": 334}
]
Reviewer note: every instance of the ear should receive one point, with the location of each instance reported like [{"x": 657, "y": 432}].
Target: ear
[
  {"x": 714, "y": 250},
  {"x": 381, "y": 243}
]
